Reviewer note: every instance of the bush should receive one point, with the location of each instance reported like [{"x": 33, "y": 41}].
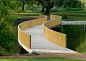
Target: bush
[
  {"x": 64, "y": 16},
  {"x": 0, "y": 54}
]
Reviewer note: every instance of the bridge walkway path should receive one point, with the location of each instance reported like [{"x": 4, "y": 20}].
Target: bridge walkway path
[{"x": 40, "y": 44}]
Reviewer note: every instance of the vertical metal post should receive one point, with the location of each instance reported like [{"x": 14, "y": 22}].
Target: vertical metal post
[{"x": 30, "y": 41}]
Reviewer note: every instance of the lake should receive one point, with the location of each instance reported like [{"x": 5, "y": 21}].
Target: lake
[{"x": 76, "y": 36}]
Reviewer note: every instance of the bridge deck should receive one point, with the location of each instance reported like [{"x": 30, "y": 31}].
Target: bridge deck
[{"x": 40, "y": 44}]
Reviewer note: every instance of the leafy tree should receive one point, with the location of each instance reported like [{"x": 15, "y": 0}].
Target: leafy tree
[
  {"x": 71, "y": 3},
  {"x": 84, "y": 2},
  {"x": 7, "y": 35},
  {"x": 30, "y": 2},
  {"x": 23, "y": 3},
  {"x": 48, "y": 4},
  {"x": 39, "y": 1}
]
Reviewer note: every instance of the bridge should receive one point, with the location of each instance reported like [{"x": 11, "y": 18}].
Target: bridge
[{"x": 35, "y": 36}]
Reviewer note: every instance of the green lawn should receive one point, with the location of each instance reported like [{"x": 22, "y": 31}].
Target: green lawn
[
  {"x": 72, "y": 16},
  {"x": 40, "y": 59},
  {"x": 21, "y": 17},
  {"x": 29, "y": 13},
  {"x": 84, "y": 53}
]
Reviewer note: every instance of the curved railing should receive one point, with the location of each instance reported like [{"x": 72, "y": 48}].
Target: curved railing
[
  {"x": 25, "y": 39},
  {"x": 53, "y": 36}
]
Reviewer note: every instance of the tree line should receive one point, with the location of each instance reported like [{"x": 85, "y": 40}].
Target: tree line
[{"x": 48, "y": 4}]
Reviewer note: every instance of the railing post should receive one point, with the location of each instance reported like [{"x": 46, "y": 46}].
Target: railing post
[{"x": 30, "y": 41}]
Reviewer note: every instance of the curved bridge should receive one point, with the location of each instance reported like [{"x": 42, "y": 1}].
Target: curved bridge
[{"x": 35, "y": 36}]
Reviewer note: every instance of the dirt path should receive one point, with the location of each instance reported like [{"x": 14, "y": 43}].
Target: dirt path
[{"x": 78, "y": 56}]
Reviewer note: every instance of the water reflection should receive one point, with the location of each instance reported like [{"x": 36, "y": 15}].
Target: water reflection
[{"x": 76, "y": 36}]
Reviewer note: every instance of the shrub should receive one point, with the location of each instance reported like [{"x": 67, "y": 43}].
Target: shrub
[{"x": 64, "y": 16}]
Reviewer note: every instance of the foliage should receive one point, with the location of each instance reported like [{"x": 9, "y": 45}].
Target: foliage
[
  {"x": 7, "y": 36},
  {"x": 48, "y": 4},
  {"x": 17, "y": 4},
  {"x": 84, "y": 2},
  {"x": 23, "y": 2},
  {"x": 84, "y": 53},
  {"x": 29, "y": 2},
  {"x": 7, "y": 40},
  {"x": 64, "y": 16},
  {"x": 71, "y": 3}
]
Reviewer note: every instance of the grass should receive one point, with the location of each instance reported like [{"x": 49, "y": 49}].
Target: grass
[
  {"x": 40, "y": 59},
  {"x": 84, "y": 53},
  {"x": 29, "y": 13},
  {"x": 73, "y": 16},
  {"x": 21, "y": 17}
]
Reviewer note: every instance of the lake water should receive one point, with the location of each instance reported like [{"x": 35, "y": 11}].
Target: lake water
[{"x": 76, "y": 36}]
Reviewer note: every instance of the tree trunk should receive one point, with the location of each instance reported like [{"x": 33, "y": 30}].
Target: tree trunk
[
  {"x": 47, "y": 10},
  {"x": 22, "y": 6},
  {"x": 85, "y": 10},
  {"x": 27, "y": 6},
  {"x": 42, "y": 10}
]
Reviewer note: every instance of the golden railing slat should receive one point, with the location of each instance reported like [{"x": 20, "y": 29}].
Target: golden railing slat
[
  {"x": 53, "y": 36},
  {"x": 24, "y": 38}
]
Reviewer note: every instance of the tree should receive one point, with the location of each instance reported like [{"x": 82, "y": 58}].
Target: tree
[
  {"x": 30, "y": 2},
  {"x": 7, "y": 35},
  {"x": 70, "y": 3},
  {"x": 84, "y": 2},
  {"x": 48, "y": 4},
  {"x": 23, "y": 3},
  {"x": 39, "y": 1}
]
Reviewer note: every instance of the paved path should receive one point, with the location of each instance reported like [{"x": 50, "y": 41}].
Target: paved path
[{"x": 40, "y": 44}]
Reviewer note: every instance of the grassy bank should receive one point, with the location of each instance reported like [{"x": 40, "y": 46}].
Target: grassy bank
[{"x": 40, "y": 59}]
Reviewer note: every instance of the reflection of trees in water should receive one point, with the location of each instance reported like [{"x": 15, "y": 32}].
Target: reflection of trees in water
[
  {"x": 82, "y": 46},
  {"x": 75, "y": 36}
]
